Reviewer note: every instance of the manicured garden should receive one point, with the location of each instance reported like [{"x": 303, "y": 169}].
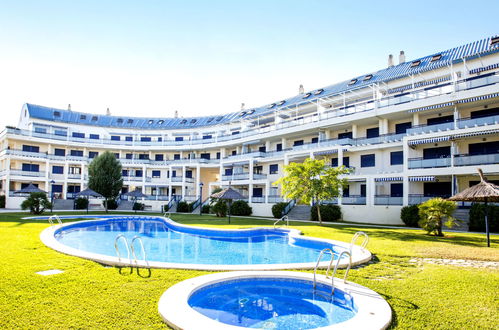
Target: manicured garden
[{"x": 90, "y": 295}]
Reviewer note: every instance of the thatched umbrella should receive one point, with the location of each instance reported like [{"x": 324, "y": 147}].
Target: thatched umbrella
[
  {"x": 482, "y": 192},
  {"x": 137, "y": 193},
  {"x": 31, "y": 188},
  {"x": 89, "y": 193},
  {"x": 228, "y": 194}
]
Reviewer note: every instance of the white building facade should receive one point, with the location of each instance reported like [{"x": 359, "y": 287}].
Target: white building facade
[{"x": 409, "y": 132}]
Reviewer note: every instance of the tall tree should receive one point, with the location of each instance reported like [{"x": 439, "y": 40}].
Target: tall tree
[
  {"x": 104, "y": 176},
  {"x": 311, "y": 181},
  {"x": 433, "y": 212}
]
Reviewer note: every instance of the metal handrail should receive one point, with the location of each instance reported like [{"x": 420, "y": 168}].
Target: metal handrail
[
  {"x": 284, "y": 218},
  {"x": 355, "y": 237},
  {"x": 118, "y": 249},
  {"x": 319, "y": 260},
  {"x": 336, "y": 268},
  {"x": 288, "y": 207},
  {"x": 137, "y": 238},
  {"x": 54, "y": 217}
]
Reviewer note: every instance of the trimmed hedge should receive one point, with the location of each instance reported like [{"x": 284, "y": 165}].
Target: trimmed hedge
[
  {"x": 278, "y": 208},
  {"x": 138, "y": 206},
  {"x": 410, "y": 215},
  {"x": 205, "y": 208},
  {"x": 183, "y": 207},
  {"x": 477, "y": 218},
  {"x": 240, "y": 208},
  {"x": 329, "y": 212},
  {"x": 111, "y": 204},
  {"x": 166, "y": 208},
  {"x": 220, "y": 208},
  {"x": 81, "y": 203}
]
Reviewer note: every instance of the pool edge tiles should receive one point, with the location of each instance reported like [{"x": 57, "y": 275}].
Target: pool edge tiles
[
  {"x": 48, "y": 237},
  {"x": 373, "y": 312}
]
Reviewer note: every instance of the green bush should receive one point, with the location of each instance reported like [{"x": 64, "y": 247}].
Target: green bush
[
  {"x": 477, "y": 218},
  {"x": 182, "y": 207},
  {"x": 220, "y": 208},
  {"x": 329, "y": 212},
  {"x": 81, "y": 203},
  {"x": 240, "y": 208},
  {"x": 410, "y": 215},
  {"x": 166, "y": 208},
  {"x": 434, "y": 212},
  {"x": 2, "y": 201},
  {"x": 36, "y": 202},
  {"x": 205, "y": 208},
  {"x": 138, "y": 206},
  {"x": 277, "y": 209},
  {"x": 111, "y": 204}
]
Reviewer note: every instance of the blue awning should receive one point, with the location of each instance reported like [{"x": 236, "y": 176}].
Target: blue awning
[
  {"x": 429, "y": 140},
  {"x": 422, "y": 178},
  {"x": 395, "y": 178},
  {"x": 326, "y": 152},
  {"x": 485, "y": 68},
  {"x": 478, "y": 98},
  {"x": 458, "y": 136},
  {"x": 435, "y": 106}
]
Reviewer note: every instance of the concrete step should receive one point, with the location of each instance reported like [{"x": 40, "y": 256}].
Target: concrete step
[
  {"x": 63, "y": 204},
  {"x": 300, "y": 212}
]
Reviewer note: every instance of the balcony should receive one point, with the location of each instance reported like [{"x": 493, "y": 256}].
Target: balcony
[
  {"x": 275, "y": 199},
  {"x": 430, "y": 128},
  {"x": 468, "y": 122},
  {"x": 387, "y": 200},
  {"x": 237, "y": 176},
  {"x": 353, "y": 200},
  {"x": 20, "y": 153},
  {"x": 132, "y": 178},
  {"x": 259, "y": 176},
  {"x": 258, "y": 199},
  {"x": 415, "y": 199},
  {"x": 429, "y": 163},
  {"x": 254, "y": 154},
  {"x": 74, "y": 176},
  {"x": 27, "y": 173},
  {"x": 467, "y": 160}
]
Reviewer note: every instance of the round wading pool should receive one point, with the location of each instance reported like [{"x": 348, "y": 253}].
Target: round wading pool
[
  {"x": 168, "y": 244},
  {"x": 272, "y": 300}
]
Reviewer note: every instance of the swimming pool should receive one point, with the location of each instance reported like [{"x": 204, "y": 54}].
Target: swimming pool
[
  {"x": 171, "y": 245},
  {"x": 271, "y": 300}
]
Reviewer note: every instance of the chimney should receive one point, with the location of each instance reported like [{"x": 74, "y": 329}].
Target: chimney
[
  {"x": 301, "y": 90},
  {"x": 401, "y": 57},
  {"x": 390, "y": 60},
  {"x": 176, "y": 114},
  {"x": 108, "y": 113},
  {"x": 242, "y": 106},
  {"x": 69, "y": 107}
]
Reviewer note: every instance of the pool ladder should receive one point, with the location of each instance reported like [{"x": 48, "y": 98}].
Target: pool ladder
[
  {"x": 354, "y": 239},
  {"x": 284, "y": 218},
  {"x": 51, "y": 220},
  {"x": 130, "y": 247}
]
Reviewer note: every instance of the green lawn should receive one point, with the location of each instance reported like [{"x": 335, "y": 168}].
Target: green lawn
[{"x": 90, "y": 295}]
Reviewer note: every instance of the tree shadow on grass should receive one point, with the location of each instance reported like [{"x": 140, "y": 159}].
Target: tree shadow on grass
[{"x": 400, "y": 304}]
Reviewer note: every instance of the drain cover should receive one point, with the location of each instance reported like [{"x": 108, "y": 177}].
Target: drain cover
[{"x": 50, "y": 272}]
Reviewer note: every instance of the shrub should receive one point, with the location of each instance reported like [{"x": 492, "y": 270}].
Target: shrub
[
  {"x": 81, "y": 203},
  {"x": 2, "y": 201},
  {"x": 220, "y": 208},
  {"x": 205, "y": 208},
  {"x": 166, "y": 208},
  {"x": 191, "y": 206},
  {"x": 329, "y": 212},
  {"x": 410, "y": 215},
  {"x": 278, "y": 208},
  {"x": 138, "y": 206},
  {"x": 182, "y": 207},
  {"x": 36, "y": 202},
  {"x": 240, "y": 208},
  {"x": 433, "y": 212},
  {"x": 111, "y": 204},
  {"x": 477, "y": 218}
]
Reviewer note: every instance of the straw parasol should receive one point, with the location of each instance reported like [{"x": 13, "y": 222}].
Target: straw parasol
[
  {"x": 482, "y": 192},
  {"x": 228, "y": 194},
  {"x": 31, "y": 188},
  {"x": 89, "y": 193}
]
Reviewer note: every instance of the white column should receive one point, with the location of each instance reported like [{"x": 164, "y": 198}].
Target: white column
[
  {"x": 370, "y": 190},
  {"x": 82, "y": 181},
  {"x": 65, "y": 184},
  {"x": 415, "y": 119},
  {"x": 198, "y": 180},
  {"x": 183, "y": 182},
  {"x": 340, "y": 156},
  {"x": 267, "y": 146},
  {"x": 267, "y": 191},
  {"x": 169, "y": 183},
  {"x": 354, "y": 131},
  {"x": 405, "y": 186}
]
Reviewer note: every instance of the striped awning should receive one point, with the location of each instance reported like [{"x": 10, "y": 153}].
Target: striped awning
[
  {"x": 422, "y": 178},
  {"x": 478, "y": 98},
  {"x": 394, "y": 178},
  {"x": 419, "y": 84},
  {"x": 462, "y": 135},
  {"x": 429, "y": 140},
  {"x": 485, "y": 68},
  {"x": 434, "y": 106},
  {"x": 326, "y": 152}
]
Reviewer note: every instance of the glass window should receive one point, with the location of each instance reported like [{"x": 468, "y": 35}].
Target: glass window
[
  {"x": 138, "y": 173},
  {"x": 402, "y": 127},
  {"x": 315, "y": 140},
  {"x": 367, "y": 160},
  {"x": 235, "y": 132},
  {"x": 396, "y": 190},
  {"x": 159, "y": 157},
  {"x": 228, "y": 171},
  {"x": 29, "y": 148},
  {"x": 115, "y": 137},
  {"x": 40, "y": 130},
  {"x": 59, "y": 152},
  {"x": 179, "y": 138},
  {"x": 143, "y": 156},
  {"x": 145, "y": 139},
  {"x": 262, "y": 149},
  {"x": 396, "y": 158},
  {"x": 218, "y": 155},
  {"x": 128, "y": 156},
  {"x": 188, "y": 174},
  {"x": 205, "y": 155},
  {"x": 31, "y": 167},
  {"x": 346, "y": 135},
  {"x": 156, "y": 173},
  {"x": 279, "y": 147},
  {"x": 372, "y": 132},
  {"x": 274, "y": 169},
  {"x": 128, "y": 138},
  {"x": 298, "y": 143},
  {"x": 94, "y": 136},
  {"x": 77, "y": 153},
  {"x": 60, "y": 132},
  {"x": 207, "y": 137},
  {"x": 124, "y": 172},
  {"x": 176, "y": 156},
  {"x": 78, "y": 135},
  {"x": 93, "y": 154}
]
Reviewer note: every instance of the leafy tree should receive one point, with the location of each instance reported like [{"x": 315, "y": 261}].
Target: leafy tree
[
  {"x": 433, "y": 212},
  {"x": 311, "y": 181},
  {"x": 104, "y": 176},
  {"x": 36, "y": 202}
]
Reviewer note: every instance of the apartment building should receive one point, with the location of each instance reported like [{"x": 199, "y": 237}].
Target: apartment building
[{"x": 409, "y": 132}]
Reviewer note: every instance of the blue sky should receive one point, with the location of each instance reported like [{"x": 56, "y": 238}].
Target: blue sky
[{"x": 207, "y": 57}]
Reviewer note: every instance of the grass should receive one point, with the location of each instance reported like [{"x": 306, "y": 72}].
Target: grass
[{"x": 89, "y": 295}]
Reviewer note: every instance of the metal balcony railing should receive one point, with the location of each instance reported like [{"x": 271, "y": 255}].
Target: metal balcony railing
[
  {"x": 387, "y": 200},
  {"x": 429, "y": 163},
  {"x": 467, "y": 160},
  {"x": 354, "y": 200}
]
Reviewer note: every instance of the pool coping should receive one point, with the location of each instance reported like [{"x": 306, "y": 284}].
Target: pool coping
[
  {"x": 47, "y": 236},
  {"x": 373, "y": 312}
]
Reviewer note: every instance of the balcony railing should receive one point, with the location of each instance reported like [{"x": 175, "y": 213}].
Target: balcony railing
[
  {"x": 74, "y": 176},
  {"x": 431, "y": 128},
  {"x": 27, "y": 173},
  {"x": 353, "y": 200},
  {"x": 258, "y": 199},
  {"x": 466, "y": 160},
  {"x": 236, "y": 176},
  {"x": 387, "y": 200},
  {"x": 275, "y": 199},
  {"x": 429, "y": 163},
  {"x": 133, "y": 178},
  {"x": 468, "y": 122},
  {"x": 418, "y": 199}
]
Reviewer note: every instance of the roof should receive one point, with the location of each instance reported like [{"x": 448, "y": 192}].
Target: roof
[{"x": 427, "y": 63}]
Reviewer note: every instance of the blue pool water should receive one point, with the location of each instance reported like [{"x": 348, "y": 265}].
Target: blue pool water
[
  {"x": 273, "y": 303},
  {"x": 171, "y": 242}
]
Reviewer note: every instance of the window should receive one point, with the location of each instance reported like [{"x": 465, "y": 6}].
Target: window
[
  {"x": 83, "y": 117},
  {"x": 228, "y": 171},
  {"x": 396, "y": 158},
  {"x": 207, "y": 137},
  {"x": 315, "y": 140},
  {"x": 257, "y": 192},
  {"x": 124, "y": 172},
  {"x": 346, "y": 191},
  {"x": 160, "y": 122},
  {"x": 74, "y": 189},
  {"x": 57, "y": 188},
  {"x": 183, "y": 121},
  {"x": 274, "y": 169},
  {"x": 94, "y": 118},
  {"x": 188, "y": 174},
  {"x": 74, "y": 170},
  {"x": 347, "y": 135},
  {"x": 129, "y": 121},
  {"x": 115, "y": 138},
  {"x": 94, "y": 136},
  {"x": 150, "y": 122},
  {"x": 60, "y": 132},
  {"x": 158, "y": 157},
  {"x": 57, "y": 114},
  {"x": 116, "y": 155},
  {"x": 77, "y": 153},
  {"x": 59, "y": 152},
  {"x": 138, "y": 173},
  {"x": 363, "y": 190},
  {"x": 368, "y": 77},
  {"x": 484, "y": 148},
  {"x": 346, "y": 162},
  {"x": 160, "y": 139},
  {"x": 156, "y": 173},
  {"x": 352, "y": 82},
  {"x": 396, "y": 190},
  {"x": 415, "y": 64},
  {"x": 128, "y": 138},
  {"x": 307, "y": 95},
  {"x": 79, "y": 135},
  {"x": 128, "y": 156},
  {"x": 29, "y": 148},
  {"x": 176, "y": 156},
  {"x": 218, "y": 155},
  {"x": 210, "y": 120},
  {"x": 258, "y": 169},
  {"x": 30, "y": 167},
  {"x": 24, "y": 185},
  {"x": 193, "y": 121},
  {"x": 367, "y": 160},
  {"x": 234, "y": 152},
  {"x": 298, "y": 143},
  {"x": 271, "y": 106},
  {"x": 93, "y": 154},
  {"x": 205, "y": 155},
  {"x": 143, "y": 156},
  {"x": 145, "y": 139},
  {"x": 434, "y": 153},
  {"x": 435, "y": 58},
  {"x": 174, "y": 173},
  {"x": 235, "y": 132},
  {"x": 252, "y": 111},
  {"x": 402, "y": 127},
  {"x": 279, "y": 147},
  {"x": 262, "y": 149},
  {"x": 440, "y": 120},
  {"x": 281, "y": 102},
  {"x": 120, "y": 120},
  {"x": 220, "y": 118},
  {"x": 40, "y": 130},
  {"x": 179, "y": 138},
  {"x": 319, "y": 91},
  {"x": 372, "y": 132}
]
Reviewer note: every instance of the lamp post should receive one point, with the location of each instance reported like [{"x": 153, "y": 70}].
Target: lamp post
[
  {"x": 52, "y": 196},
  {"x": 200, "y": 198}
]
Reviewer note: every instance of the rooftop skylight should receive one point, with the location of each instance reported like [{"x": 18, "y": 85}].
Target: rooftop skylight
[
  {"x": 83, "y": 117},
  {"x": 94, "y": 118},
  {"x": 319, "y": 91},
  {"x": 120, "y": 120},
  {"x": 219, "y": 118},
  {"x": 436, "y": 57},
  {"x": 352, "y": 82},
  {"x": 150, "y": 122},
  {"x": 271, "y": 106},
  {"x": 415, "y": 63},
  {"x": 281, "y": 102},
  {"x": 57, "y": 114},
  {"x": 129, "y": 121},
  {"x": 183, "y": 121},
  {"x": 368, "y": 77},
  {"x": 160, "y": 122},
  {"x": 193, "y": 121},
  {"x": 494, "y": 41},
  {"x": 252, "y": 111},
  {"x": 307, "y": 95},
  {"x": 210, "y": 119},
  {"x": 242, "y": 114}
]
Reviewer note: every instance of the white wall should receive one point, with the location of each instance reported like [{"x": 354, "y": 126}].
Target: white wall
[{"x": 381, "y": 215}]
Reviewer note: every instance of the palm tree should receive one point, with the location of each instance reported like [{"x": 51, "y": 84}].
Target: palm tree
[{"x": 433, "y": 212}]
